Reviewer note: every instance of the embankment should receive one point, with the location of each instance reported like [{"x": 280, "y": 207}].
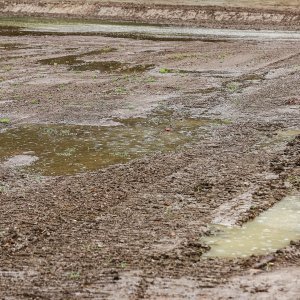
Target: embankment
[{"x": 210, "y": 16}]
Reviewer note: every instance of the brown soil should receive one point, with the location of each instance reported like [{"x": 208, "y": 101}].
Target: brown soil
[
  {"x": 236, "y": 14},
  {"x": 133, "y": 230}
]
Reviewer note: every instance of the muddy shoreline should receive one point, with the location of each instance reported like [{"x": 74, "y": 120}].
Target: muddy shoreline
[{"x": 205, "y": 16}]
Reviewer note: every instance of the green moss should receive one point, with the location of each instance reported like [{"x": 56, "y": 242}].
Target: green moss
[{"x": 4, "y": 120}]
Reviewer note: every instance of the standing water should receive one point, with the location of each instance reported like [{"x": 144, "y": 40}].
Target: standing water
[
  {"x": 19, "y": 26},
  {"x": 70, "y": 149},
  {"x": 272, "y": 230}
]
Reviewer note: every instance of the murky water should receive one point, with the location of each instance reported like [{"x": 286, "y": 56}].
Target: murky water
[
  {"x": 78, "y": 64},
  {"x": 159, "y": 30},
  {"x": 10, "y": 46},
  {"x": 74, "y": 59},
  {"x": 21, "y": 26},
  {"x": 62, "y": 60},
  {"x": 65, "y": 149},
  {"x": 272, "y": 230},
  {"x": 288, "y": 134},
  {"x": 112, "y": 66},
  {"x": 281, "y": 137}
]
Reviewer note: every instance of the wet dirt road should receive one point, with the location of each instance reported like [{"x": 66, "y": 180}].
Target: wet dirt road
[{"x": 135, "y": 230}]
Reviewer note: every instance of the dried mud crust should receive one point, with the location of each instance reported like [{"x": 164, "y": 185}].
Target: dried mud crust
[
  {"x": 134, "y": 230},
  {"x": 210, "y": 15}
]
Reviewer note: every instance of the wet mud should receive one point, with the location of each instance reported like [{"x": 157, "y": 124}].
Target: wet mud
[{"x": 215, "y": 141}]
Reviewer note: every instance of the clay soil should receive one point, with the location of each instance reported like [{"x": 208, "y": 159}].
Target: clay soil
[
  {"x": 133, "y": 230},
  {"x": 267, "y": 14}
]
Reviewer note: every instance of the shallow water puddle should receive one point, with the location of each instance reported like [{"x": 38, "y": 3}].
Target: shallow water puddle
[
  {"x": 288, "y": 134},
  {"x": 8, "y": 30},
  {"x": 62, "y": 60},
  {"x": 78, "y": 64},
  {"x": 111, "y": 66},
  {"x": 272, "y": 230},
  {"x": 21, "y": 26},
  {"x": 66, "y": 149},
  {"x": 165, "y": 31},
  {"x": 281, "y": 136},
  {"x": 75, "y": 58},
  {"x": 10, "y": 46}
]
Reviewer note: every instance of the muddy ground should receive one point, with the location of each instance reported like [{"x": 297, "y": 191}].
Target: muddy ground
[
  {"x": 132, "y": 231},
  {"x": 209, "y": 13}
]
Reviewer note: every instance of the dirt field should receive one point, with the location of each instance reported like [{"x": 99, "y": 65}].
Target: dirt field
[{"x": 134, "y": 229}]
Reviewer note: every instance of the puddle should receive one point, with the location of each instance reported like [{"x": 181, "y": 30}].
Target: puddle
[
  {"x": 20, "y": 31},
  {"x": 162, "y": 38},
  {"x": 10, "y": 46},
  {"x": 8, "y": 30},
  {"x": 78, "y": 64},
  {"x": 166, "y": 31},
  {"x": 62, "y": 60},
  {"x": 281, "y": 137},
  {"x": 112, "y": 66},
  {"x": 69, "y": 58},
  {"x": 67, "y": 149},
  {"x": 272, "y": 230},
  {"x": 74, "y": 59},
  {"x": 288, "y": 134},
  {"x": 19, "y": 26}
]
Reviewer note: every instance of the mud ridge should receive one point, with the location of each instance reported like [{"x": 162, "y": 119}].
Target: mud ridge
[{"x": 209, "y": 16}]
